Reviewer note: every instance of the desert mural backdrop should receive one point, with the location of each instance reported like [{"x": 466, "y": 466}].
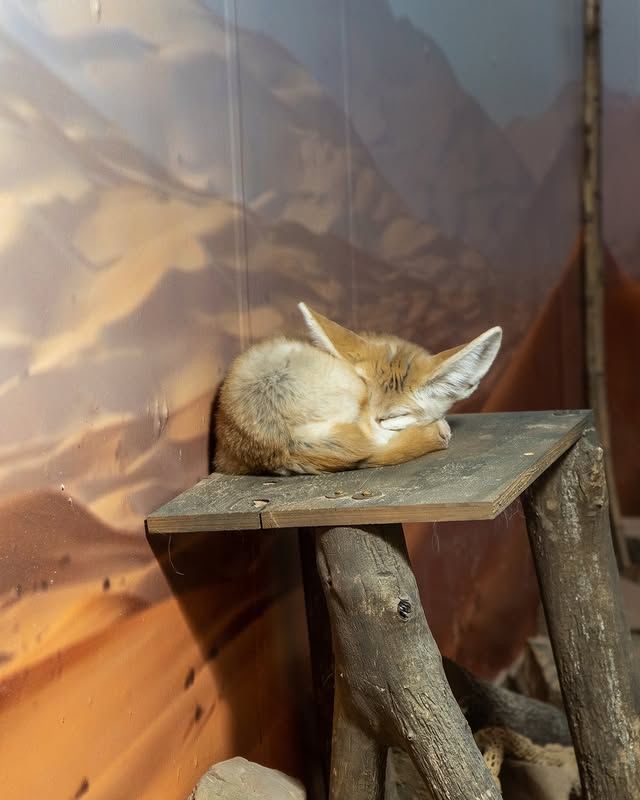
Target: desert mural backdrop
[{"x": 174, "y": 176}]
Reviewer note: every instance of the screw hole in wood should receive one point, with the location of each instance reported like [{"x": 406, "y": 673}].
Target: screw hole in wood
[{"x": 365, "y": 494}]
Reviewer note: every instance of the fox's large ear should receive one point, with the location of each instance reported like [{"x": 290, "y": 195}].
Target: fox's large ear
[
  {"x": 332, "y": 337},
  {"x": 458, "y": 372}
]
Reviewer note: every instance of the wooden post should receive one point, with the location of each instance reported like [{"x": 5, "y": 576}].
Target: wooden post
[
  {"x": 593, "y": 261},
  {"x": 390, "y": 685},
  {"x": 568, "y": 522},
  {"x": 358, "y": 757}
]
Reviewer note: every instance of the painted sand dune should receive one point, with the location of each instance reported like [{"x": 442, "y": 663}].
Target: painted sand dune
[
  {"x": 88, "y": 623},
  {"x": 95, "y": 713},
  {"x": 42, "y": 539},
  {"x": 60, "y": 564}
]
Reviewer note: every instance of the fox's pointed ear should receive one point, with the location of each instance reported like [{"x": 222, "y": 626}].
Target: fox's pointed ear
[
  {"x": 458, "y": 371},
  {"x": 332, "y": 337}
]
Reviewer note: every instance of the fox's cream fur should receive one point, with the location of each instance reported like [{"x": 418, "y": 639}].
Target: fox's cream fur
[{"x": 344, "y": 401}]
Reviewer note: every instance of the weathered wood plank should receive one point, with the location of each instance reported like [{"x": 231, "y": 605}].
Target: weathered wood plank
[
  {"x": 491, "y": 460},
  {"x": 216, "y": 503}
]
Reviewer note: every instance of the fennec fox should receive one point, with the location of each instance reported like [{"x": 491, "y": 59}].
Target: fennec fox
[{"x": 344, "y": 401}]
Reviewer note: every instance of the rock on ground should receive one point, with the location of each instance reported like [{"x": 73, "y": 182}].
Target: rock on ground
[{"x": 239, "y": 779}]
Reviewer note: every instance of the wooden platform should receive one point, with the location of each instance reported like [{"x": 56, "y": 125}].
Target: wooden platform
[{"x": 491, "y": 460}]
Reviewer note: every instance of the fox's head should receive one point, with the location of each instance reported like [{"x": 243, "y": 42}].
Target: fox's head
[{"x": 406, "y": 383}]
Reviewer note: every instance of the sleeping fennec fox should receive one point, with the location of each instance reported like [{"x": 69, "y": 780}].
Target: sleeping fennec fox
[{"x": 343, "y": 401}]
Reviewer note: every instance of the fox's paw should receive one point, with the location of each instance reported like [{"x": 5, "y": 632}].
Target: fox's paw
[{"x": 444, "y": 431}]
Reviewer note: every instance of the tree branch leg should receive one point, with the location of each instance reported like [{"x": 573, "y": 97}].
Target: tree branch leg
[
  {"x": 390, "y": 683},
  {"x": 486, "y": 706},
  {"x": 358, "y": 759},
  {"x": 568, "y": 523}
]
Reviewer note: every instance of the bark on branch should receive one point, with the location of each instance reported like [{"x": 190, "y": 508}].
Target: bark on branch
[
  {"x": 568, "y": 521},
  {"x": 485, "y": 706},
  {"x": 390, "y": 684}
]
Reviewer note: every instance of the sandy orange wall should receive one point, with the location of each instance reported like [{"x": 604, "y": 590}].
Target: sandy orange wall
[{"x": 174, "y": 176}]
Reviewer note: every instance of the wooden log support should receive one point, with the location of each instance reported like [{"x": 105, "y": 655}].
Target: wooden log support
[
  {"x": 390, "y": 685},
  {"x": 568, "y": 522},
  {"x": 487, "y": 706},
  {"x": 358, "y": 756}
]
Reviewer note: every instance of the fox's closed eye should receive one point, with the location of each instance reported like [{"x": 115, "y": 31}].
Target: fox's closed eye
[{"x": 396, "y": 422}]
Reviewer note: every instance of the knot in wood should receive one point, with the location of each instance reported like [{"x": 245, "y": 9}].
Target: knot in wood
[{"x": 404, "y": 609}]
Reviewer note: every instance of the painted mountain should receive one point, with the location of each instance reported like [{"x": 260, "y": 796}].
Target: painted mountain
[
  {"x": 549, "y": 146},
  {"x": 302, "y": 161},
  {"x": 537, "y": 139},
  {"x": 431, "y": 140},
  {"x": 545, "y": 240}
]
